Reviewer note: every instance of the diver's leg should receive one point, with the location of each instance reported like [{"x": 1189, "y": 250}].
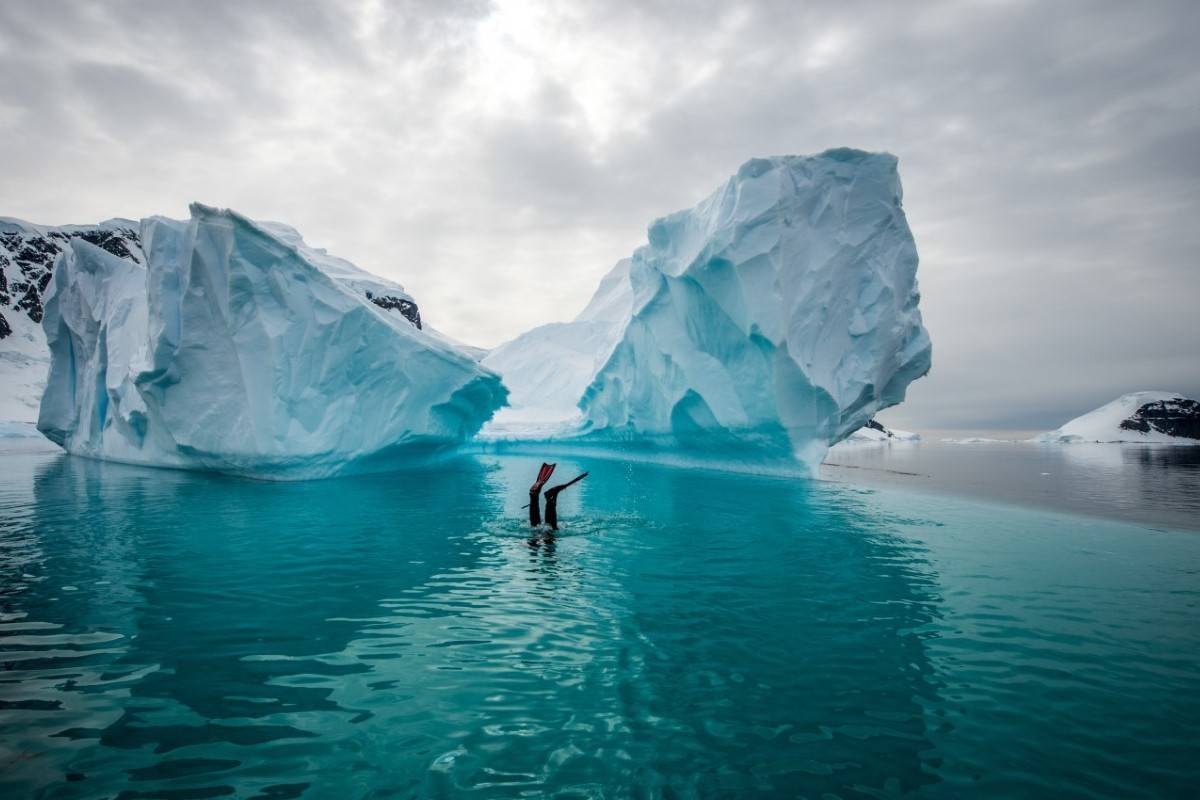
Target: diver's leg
[
  {"x": 552, "y": 508},
  {"x": 552, "y": 501},
  {"x": 535, "y": 514}
]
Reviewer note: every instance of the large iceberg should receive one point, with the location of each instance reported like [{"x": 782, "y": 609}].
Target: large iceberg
[
  {"x": 29, "y": 251},
  {"x": 775, "y": 318},
  {"x": 237, "y": 348}
]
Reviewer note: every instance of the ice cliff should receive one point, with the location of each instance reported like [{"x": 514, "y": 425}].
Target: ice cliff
[
  {"x": 776, "y": 317},
  {"x": 27, "y": 256},
  {"x": 235, "y": 347}
]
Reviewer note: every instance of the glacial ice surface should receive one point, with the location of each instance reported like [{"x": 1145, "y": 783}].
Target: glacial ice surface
[
  {"x": 775, "y": 318},
  {"x": 236, "y": 348}
]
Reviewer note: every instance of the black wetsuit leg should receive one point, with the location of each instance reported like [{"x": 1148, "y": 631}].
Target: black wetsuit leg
[
  {"x": 552, "y": 508},
  {"x": 535, "y": 513},
  {"x": 552, "y": 501}
]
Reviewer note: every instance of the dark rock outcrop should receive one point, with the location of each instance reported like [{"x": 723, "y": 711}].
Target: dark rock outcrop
[
  {"x": 27, "y": 255},
  {"x": 407, "y": 308},
  {"x": 1178, "y": 417}
]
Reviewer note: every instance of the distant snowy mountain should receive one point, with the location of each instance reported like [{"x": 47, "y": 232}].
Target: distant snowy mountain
[
  {"x": 27, "y": 255},
  {"x": 1149, "y": 417},
  {"x": 874, "y": 432}
]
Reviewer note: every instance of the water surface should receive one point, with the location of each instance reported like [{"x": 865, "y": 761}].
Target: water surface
[
  {"x": 688, "y": 634},
  {"x": 1149, "y": 484}
]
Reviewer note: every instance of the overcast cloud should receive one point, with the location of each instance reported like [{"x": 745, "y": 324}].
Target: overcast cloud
[{"x": 497, "y": 158}]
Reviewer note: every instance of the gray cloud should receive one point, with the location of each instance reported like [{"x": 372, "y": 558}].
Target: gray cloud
[{"x": 497, "y": 158}]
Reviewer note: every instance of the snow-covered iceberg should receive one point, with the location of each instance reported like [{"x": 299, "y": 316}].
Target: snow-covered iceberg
[
  {"x": 1147, "y": 417},
  {"x": 776, "y": 317},
  {"x": 237, "y": 348}
]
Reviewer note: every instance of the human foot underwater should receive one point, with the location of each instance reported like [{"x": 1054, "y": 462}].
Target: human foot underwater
[{"x": 535, "y": 515}]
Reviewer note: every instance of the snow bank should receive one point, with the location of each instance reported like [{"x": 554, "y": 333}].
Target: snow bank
[
  {"x": 1153, "y": 417},
  {"x": 776, "y": 317},
  {"x": 232, "y": 350}
]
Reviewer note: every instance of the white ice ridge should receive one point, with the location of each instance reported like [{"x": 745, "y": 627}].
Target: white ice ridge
[
  {"x": 776, "y": 317},
  {"x": 233, "y": 350}
]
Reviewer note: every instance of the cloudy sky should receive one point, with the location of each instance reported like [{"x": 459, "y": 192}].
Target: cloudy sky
[{"x": 497, "y": 157}]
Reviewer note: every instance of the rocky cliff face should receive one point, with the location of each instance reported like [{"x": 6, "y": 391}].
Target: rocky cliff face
[
  {"x": 27, "y": 254},
  {"x": 1178, "y": 416}
]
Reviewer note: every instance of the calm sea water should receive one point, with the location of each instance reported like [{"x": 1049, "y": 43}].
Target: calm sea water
[
  {"x": 688, "y": 634},
  {"x": 1147, "y": 484}
]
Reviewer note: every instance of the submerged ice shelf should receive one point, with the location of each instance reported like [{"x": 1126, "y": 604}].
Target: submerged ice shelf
[
  {"x": 772, "y": 320},
  {"x": 237, "y": 349}
]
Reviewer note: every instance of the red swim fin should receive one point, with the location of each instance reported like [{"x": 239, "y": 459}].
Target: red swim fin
[{"x": 543, "y": 475}]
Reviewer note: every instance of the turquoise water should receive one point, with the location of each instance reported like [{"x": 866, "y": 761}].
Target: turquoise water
[{"x": 688, "y": 634}]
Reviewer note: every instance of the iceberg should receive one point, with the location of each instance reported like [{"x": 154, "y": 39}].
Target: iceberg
[
  {"x": 772, "y": 320},
  {"x": 236, "y": 348},
  {"x": 1152, "y": 417},
  {"x": 27, "y": 256}
]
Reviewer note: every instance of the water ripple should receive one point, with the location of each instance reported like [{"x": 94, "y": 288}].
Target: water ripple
[{"x": 684, "y": 635}]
